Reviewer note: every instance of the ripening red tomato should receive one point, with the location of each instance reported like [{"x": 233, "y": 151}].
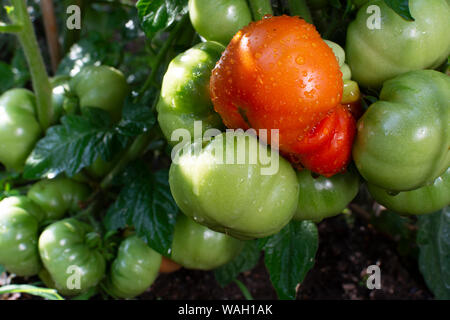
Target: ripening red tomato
[{"x": 278, "y": 73}]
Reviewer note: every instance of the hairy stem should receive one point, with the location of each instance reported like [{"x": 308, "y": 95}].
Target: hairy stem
[
  {"x": 260, "y": 8},
  {"x": 300, "y": 8},
  {"x": 39, "y": 77}
]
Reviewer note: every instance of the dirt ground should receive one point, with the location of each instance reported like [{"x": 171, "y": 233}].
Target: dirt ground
[{"x": 345, "y": 251}]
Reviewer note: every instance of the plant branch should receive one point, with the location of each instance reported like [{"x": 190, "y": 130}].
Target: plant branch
[
  {"x": 10, "y": 28},
  {"x": 39, "y": 77},
  {"x": 161, "y": 55},
  {"x": 260, "y": 8},
  {"x": 51, "y": 32},
  {"x": 300, "y": 8}
]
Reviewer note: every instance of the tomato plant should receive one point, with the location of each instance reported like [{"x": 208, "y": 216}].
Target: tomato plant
[{"x": 164, "y": 148}]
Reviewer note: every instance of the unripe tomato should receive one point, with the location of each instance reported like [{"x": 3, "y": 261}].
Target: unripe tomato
[
  {"x": 427, "y": 199},
  {"x": 185, "y": 91},
  {"x": 70, "y": 252},
  {"x": 321, "y": 197},
  {"x": 397, "y": 46},
  {"x": 133, "y": 270},
  {"x": 19, "y": 227},
  {"x": 19, "y": 127},
  {"x": 102, "y": 87},
  {"x": 58, "y": 196},
  {"x": 403, "y": 139},
  {"x": 248, "y": 198},
  {"x": 196, "y": 247},
  {"x": 219, "y": 20}
]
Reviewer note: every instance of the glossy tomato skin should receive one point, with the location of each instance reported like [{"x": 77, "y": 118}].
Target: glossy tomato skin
[
  {"x": 427, "y": 199},
  {"x": 59, "y": 196},
  {"x": 402, "y": 140},
  {"x": 101, "y": 87},
  {"x": 277, "y": 73},
  {"x": 70, "y": 247},
  {"x": 19, "y": 232},
  {"x": 133, "y": 270},
  {"x": 245, "y": 200},
  {"x": 185, "y": 91},
  {"x": 196, "y": 247},
  {"x": 321, "y": 197},
  {"x": 219, "y": 20},
  {"x": 169, "y": 266},
  {"x": 19, "y": 127},
  {"x": 399, "y": 46}
]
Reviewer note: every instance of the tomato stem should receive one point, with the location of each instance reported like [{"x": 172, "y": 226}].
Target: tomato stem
[
  {"x": 244, "y": 289},
  {"x": 162, "y": 54},
  {"x": 39, "y": 77},
  {"x": 260, "y": 8},
  {"x": 300, "y": 8},
  {"x": 133, "y": 152}
]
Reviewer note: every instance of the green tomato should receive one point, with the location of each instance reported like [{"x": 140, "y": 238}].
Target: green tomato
[
  {"x": 398, "y": 46},
  {"x": 19, "y": 127},
  {"x": 134, "y": 269},
  {"x": 427, "y": 199},
  {"x": 60, "y": 85},
  {"x": 19, "y": 232},
  {"x": 69, "y": 251},
  {"x": 322, "y": 197},
  {"x": 243, "y": 198},
  {"x": 219, "y": 20},
  {"x": 185, "y": 91},
  {"x": 402, "y": 142},
  {"x": 102, "y": 87},
  {"x": 58, "y": 196},
  {"x": 196, "y": 247},
  {"x": 100, "y": 168}
]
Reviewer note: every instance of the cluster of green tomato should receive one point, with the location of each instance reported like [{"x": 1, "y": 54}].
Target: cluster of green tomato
[
  {"x": 402, "y": 144},
  {"x": 39, "y": 235}
]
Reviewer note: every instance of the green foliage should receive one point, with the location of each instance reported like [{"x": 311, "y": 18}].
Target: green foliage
[
  {"x": 157, "y": 15},
  {"x": 146, "y": 203},
  {"x": 245, "y": 261},
  {"x": 434, "y": 258},
  {"x": 289, "y": 255}
]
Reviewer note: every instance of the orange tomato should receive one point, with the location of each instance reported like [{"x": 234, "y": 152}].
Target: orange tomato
[
  {"x": 278, "y": 73},
  {"x": 168, "y": 266}
]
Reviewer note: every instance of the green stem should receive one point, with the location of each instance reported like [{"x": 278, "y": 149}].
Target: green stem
[
  {"x": 133, "y": 152},
  {"x": 300, "y": 8},
  {"x": 10, "y": 28},
  {"x": 244, "y": 289},
  {"x": 260, "y": 8},
  {"x": 39, "y": 77},
  {"x": 161, "y": 54}
]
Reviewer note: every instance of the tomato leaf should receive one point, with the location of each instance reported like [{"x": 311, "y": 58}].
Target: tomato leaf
[
  {"x": 401, "y": 7},
  {"x": 289, "y": 255},
  {"x": 93, "y": 49},
  {"x": 137, "y": 119},
  {"x": 73, "y": 145},
  {"x": 433, "y": 239},
  {"x": 146, "y": 203},
  {"x": 245, "y": 261},
  {"x": 157, "y": 15},
  {"x": 6, "y": 77}
]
